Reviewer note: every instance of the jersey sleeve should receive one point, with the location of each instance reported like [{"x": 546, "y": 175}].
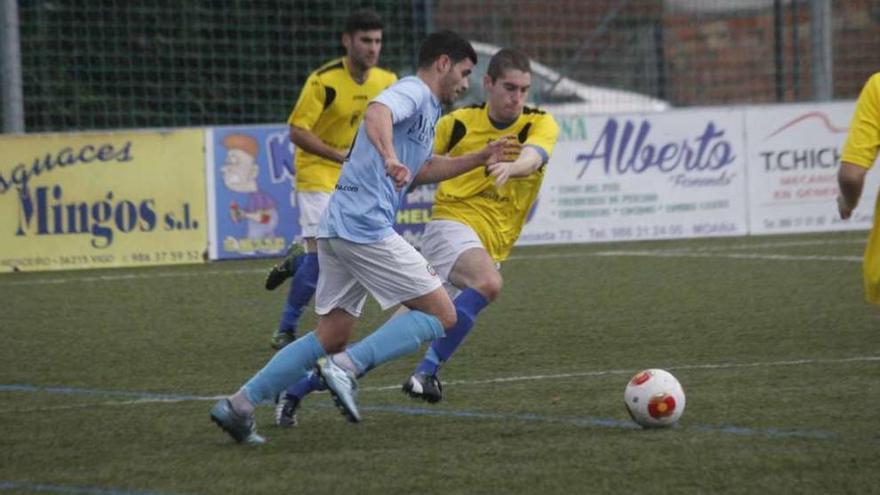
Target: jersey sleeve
[
  {"x": 403, "y": 99},
  {"x": 863, "y": 140},
  {"x": 310, "y": 104},
  {"x": 543, "y": 134},
  {"x": 443, "y": 134}
]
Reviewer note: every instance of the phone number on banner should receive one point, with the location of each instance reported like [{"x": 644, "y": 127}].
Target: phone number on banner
[
  {"x": 629, "y": 232},
  {"x": 164, "y": 257}
]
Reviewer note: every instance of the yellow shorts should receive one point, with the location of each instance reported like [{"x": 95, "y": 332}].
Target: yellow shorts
[{"x": 871, "y": 267}]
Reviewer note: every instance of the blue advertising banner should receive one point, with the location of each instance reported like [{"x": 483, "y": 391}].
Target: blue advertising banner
[
  {"x": 414, "y": 213},
  {"x": 250, "y": 175}
]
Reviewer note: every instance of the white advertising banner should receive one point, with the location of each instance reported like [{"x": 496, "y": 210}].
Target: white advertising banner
[
  {"x": 652, "y": 176},
  {"x": 794, "y": 154}
]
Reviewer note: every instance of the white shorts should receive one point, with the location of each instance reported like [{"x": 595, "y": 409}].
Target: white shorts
[
  {"x": 443, "y": 242},
  {"x": 311, "y": 206},
  {"x": 391, "y": 270}
]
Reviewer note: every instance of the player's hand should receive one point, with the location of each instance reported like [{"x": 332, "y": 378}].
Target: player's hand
[
  {"x": 504, "y": 149},
  {"x": 500, "y": 172},
  {"x": 843, "y": 208},
  {"x": 397, "y": 171}
]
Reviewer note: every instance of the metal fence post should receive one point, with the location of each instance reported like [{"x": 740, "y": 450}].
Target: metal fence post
[
  {"x": 822, "y": 62},
  {"x": 10, "y": 69}
]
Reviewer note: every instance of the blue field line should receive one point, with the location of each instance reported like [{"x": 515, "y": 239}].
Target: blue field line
[
  {"x": 593, "y": 422},
  {"x": 589, "y": 422},
  {"x": 577, "y": 421},
  {"x": 79, "y": 490}
]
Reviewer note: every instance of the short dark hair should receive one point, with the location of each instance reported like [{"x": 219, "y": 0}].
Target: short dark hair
[
  {"x": 505, "y": 59},
  {"x": 446, "y": 43},
  {"x": 363, "y": 20}
]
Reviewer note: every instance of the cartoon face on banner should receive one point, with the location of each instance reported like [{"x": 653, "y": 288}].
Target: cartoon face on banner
[{"x": 251, "y": 199}]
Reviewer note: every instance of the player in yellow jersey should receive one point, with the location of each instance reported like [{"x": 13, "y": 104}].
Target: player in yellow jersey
[
  {"x": 859, "y": 155},
  {"x": 323, "y": 124},
  {"x": 477, "y": 216}
]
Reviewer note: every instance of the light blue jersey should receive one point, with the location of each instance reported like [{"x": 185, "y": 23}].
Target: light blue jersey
[{"x": 363, "y": 207}]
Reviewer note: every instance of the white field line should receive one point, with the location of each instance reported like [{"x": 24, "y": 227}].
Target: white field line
[
  {"x": 133, "y": 276},
  {"x": 500, "y": 380},
  {"x": 780, "y": 244},
  {"x": 723, "y": 252},
  {"x": 736, "y": 256},
  {"x": 661, "y": 253},
  {"x": 582, "y": 374}
]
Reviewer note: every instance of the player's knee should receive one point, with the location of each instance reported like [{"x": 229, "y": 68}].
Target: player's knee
[
  {"x": 332, "y": 342},
  {"x": 490, "y": 286},
  {"x": 334, "y": 330}
]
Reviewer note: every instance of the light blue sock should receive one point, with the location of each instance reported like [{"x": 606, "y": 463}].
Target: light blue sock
[
  {"x": 287, "y": 366},
  {"x": 301, "y": 290},
  {"x": 399, "y": 336},
  {"x": 468, "y": 305}
]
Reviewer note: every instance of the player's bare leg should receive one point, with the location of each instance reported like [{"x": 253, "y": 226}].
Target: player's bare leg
[{"x": 476, "y": 272}]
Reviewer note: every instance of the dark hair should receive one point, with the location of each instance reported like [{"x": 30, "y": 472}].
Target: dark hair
[
  {"x": 505, "y": 59},
  {"x": 363, "y": 20},
  {"x": 445, "y": 43}
]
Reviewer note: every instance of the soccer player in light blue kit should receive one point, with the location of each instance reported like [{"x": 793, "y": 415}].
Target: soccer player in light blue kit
[{"x": 359, "y": 251}]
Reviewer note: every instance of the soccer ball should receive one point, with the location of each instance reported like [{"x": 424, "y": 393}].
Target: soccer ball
[{"x": 654, "y": 398}]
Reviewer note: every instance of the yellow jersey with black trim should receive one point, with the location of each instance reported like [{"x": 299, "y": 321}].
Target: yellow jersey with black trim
[
  {"x": 861, "y": 148},
  {"x": 497, "y": 215},
  {"x": 863, "y": 141},
  {"x": 331, "y": 105}
]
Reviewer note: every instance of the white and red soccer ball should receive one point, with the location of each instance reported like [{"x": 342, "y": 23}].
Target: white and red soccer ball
[{"x": 654, "y": 398}]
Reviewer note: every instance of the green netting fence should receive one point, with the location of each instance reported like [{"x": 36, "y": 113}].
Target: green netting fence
[{"x": 102, "y": 64}]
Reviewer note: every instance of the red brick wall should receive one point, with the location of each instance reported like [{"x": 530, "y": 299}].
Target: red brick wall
[
  {"x": 731, "y": 59},
  {"x": 705, "y": 58}
]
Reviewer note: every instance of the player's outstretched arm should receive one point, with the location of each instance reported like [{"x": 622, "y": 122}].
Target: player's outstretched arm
[
  {"x": 851, "y": 179},
  {"x": 441, "y": 167},
  {"x": 528, "y": 161}
]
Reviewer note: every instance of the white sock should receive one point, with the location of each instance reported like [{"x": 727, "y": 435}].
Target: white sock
[
  {"x": 344, "y": 361},
  {"x": 240, "y": 403}
]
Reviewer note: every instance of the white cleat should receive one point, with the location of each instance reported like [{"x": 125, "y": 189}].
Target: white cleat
[{"x": 343, "y": 387}]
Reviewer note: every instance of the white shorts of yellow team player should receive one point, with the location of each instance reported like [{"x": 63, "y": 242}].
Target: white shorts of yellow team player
[
  {"x": 391, "y": 270},
  {"x": 311, "y": 205},
  {"x": 443, "y": 242}
]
